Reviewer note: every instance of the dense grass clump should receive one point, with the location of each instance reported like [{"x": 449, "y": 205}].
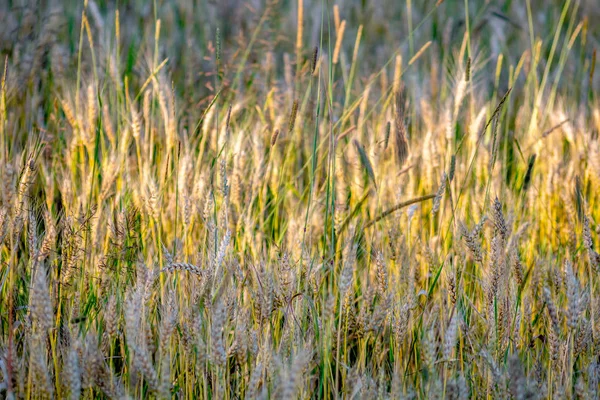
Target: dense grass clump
[{"x": 299, "y": 199}]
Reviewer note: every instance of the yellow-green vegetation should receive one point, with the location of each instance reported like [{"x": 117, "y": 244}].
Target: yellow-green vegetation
[{"x": 299, "y": 199}]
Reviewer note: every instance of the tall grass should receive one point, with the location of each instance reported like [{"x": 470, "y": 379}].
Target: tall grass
[{"x": 196, "y": 205}]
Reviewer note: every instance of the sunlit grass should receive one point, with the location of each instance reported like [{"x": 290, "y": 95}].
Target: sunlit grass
[{"x": 299, "y": 200}]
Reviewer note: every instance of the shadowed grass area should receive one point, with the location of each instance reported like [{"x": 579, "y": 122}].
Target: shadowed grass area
[{"x": 299, "y": 199}]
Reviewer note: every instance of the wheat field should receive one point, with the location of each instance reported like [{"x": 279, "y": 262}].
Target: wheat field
[{"x": 328, "y": 199}]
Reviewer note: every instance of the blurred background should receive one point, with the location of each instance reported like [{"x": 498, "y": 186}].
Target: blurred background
[{"x": 40, "y": 39}]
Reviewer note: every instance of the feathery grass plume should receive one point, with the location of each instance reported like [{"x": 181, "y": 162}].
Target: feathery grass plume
[
  {"x": 292, "y": 376},
  {"x": 217, "y": 325},
  {"x": 379, "y": 316},
  {"x": 439, "y": 194},
  {"x": 388, "y": 129},
  {"x": 473, "y": 128},
  {"x": 429, "y": 343},
  {"x": 136, "y": 342},
  {"x": 583, "y": 338},
  {"x": 497, "y": 378},
  {"x": 580, "y": 389},
  {"x": 338, "y": 42},
  {"x": 495, "y": 144},
  {"x": 274, "y": 137},
  {"x": 593, "y": 371},
  {"x": 182, "y": 266},
  {"x": 451, "y": 337},
  {"x": 142, "y": 362},
  {"x": 152, "y": 199},
  {"x": 382, "y": 273},
  {"x": 136, "y": 124},
  {"x": 500, "y": 226},
  {"x": 38, "y": 364},
  {"x": 254, "y": 381},
  {"x": 132, "y": 311},
  {"x": 49, "y": 240},
  {"x": 72, "y": 370},
  {"x": 90, "y": 368},
  {"x": 554, "y": 342},
  {"x": 468, "y": 70},
  {"x": 92, "y": 109},
  {"x": 471, "y": 241},
  {"x": 517, "y": 266},
  {"x": 265, "y": 292},
  {"x": 110, "y": 171},
  {"x": 364, "y": 160},
  {"x": 111, "y": 317},
  {"x": 32, "y": 236},
  {"x": 400, "y": 323},
  {"x": 25, "y": 180},
  {"x": 430, "y": 257},
  {"x": 496, "y": 276},
  {"x": 573, "y": 295},
  {"x": 588, "y": 243},
  {"x": 457, "y": 389},
  {"x": 220, "y": 256},
  {"x": 400, "y": 128},
  {"x": 286, "y": 276},
  {"x": 452, "y": 168},
  {"x": 224, "y": 181},
  {"x": 118, "y": 229},
  {"x": 459, "y": 95},
  {"x": 449, "y": 124},
  {"x": 363, "y": 108},
  {"x": 315, "y": 57},
  {"x": 241, "y": 344},
  {"x": 451, "y": 279},
  {"x": 3, "y": 224},
  {"x": 518, "y": 385},
  {"x": 552, "y": 311},
  {"x": 39, "y": 300},
  {"x": 292, "y": 120},
  {"x": 347, "y": 272},
  {"x": 72, "y": 248},
  {"x": 557, "y": 278},
  {"x": 167, "y": 255},
  {"x": 169, "y": 315}
]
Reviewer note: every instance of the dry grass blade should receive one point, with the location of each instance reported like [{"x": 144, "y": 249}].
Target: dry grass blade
[{"x": 397, "y": 207}]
